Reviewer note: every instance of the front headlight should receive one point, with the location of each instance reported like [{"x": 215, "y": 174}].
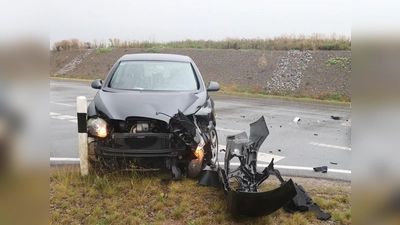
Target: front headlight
[
  {"x": 199, "y": 150},
  {"x": 97, "y": 127}
]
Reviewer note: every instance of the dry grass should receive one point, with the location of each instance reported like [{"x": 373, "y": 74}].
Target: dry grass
[
  {"x": 283, "y": 42},
  {"x": 132, "y": 198}
]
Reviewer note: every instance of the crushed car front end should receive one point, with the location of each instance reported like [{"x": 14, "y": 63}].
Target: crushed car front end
[
  {"x": 144, "y": 118},
  {"x": 135, "y": 143}
]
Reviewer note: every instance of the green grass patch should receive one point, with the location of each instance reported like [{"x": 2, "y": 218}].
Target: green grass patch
[
  {"x": 103, "y": 50},
  {"x": 156, "y": 49},
  {"x": 132, "y": 198},
  {"x": 343, "y": 62}
]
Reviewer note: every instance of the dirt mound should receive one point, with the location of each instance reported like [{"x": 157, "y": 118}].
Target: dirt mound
[{"x": 287, "y": 72}]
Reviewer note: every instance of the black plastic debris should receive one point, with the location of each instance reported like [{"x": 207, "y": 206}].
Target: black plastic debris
[
  {"x": 279, "y": 150},
  {"x": 334, "y": 163},
  {"x": 323, "y": 169},
  {"x": 260, "y": 203},
  {"x": 246, "y": 198},
  {"x": 336, "y": 117},
  {"x": 315, "y": 134},
  {"x": 209, "y": 178},
  {"x": 302, "y": 202},
  {"x": 241, "y": 184}
]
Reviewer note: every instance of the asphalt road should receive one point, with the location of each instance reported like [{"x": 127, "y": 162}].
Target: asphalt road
[{"x": 315, "y": 140}]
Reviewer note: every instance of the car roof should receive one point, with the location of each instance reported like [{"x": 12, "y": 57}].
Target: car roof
[{"x": 154, "y": 56}]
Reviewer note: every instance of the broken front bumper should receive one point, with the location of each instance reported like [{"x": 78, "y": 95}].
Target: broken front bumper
[
  {"x": 260, "y": 203},
  {"x": 247, "y": 200}
]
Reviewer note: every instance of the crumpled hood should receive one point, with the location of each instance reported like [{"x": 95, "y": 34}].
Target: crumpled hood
[{"x": 120, "y": 105}]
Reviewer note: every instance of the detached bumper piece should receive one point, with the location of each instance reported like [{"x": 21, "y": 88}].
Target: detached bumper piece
[
  {"x": 302, "y": 202},
  {"x": 245, "y": 198},
  {"x": 259, "y": 203}
]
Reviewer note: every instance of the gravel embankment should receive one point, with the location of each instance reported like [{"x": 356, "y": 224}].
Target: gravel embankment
[{"x": 294, "y": 72}]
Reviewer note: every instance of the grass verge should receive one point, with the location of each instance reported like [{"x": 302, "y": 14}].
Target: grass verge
[
  {"x": 143, "y": 198},
  {"x": 283, "y": 97},
  {"x": 61, "y": 77},
  {"x": 325, "y": 96},
  {"x": 256, "y": 92}
]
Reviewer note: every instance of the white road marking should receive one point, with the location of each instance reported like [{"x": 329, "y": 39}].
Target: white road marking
[
  {"x": 264, "y": 157},
  {"x": 221, "y": 147},
  {"x": 330, "y": 146},
  {"x": 63, "y": 104},
  {"x": 346, "y": 123},
  {"x": 64, "y": 159},
  {"x": 233, "y": 164},
  {"x": 293, "y": 167},
  {"x": 229, "y": 130},
  {"x": 64, "y": 117},
  {"x": 59, "y": 116}
]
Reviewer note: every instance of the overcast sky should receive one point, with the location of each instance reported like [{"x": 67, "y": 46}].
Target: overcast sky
[{"x": 170, "y": 20}]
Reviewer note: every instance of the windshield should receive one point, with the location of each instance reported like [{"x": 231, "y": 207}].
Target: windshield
[{"x": 154, "y": 75}]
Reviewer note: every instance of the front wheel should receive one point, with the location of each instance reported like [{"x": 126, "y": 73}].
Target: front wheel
[
  {"x": 214, "y": 148},
  {"x": 194, "y": 167}
]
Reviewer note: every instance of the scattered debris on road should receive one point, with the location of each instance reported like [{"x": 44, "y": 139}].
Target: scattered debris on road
[
  {"x": 322, "y": 169},
  {"x": 336, "y": 117},
  {"x": 334, "y": 163},
  {"x": 297, "y": 119}
]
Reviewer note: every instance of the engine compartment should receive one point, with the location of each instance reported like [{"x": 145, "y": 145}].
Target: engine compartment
[{"x": 140, "y": 125}]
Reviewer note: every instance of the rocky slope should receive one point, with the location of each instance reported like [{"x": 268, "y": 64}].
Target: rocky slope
[{"x": 294, "y": 72}]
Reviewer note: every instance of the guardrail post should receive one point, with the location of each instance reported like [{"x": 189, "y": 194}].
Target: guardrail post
[{"x": 81, "y": 108}]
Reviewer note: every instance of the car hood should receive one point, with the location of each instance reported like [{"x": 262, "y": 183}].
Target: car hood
[{"x": 120, "y": 105}]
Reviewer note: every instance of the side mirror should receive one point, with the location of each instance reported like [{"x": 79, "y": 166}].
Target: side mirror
[
  {"x": 96, "y": 84},
  {"x": 213, "y": 86}
]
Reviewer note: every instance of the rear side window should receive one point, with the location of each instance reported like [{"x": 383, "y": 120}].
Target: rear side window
[{"x": 155, "y": 75}]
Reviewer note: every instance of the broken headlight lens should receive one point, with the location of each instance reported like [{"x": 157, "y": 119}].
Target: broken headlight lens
[
  {"x": 199, "y": 150},
  {"x": 97, "y": 127}
]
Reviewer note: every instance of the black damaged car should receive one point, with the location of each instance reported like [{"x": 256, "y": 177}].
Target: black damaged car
[{"x": 153, "y": 112}]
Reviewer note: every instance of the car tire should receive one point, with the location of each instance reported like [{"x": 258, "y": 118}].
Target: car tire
[{"x": 214, "y": 148}]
